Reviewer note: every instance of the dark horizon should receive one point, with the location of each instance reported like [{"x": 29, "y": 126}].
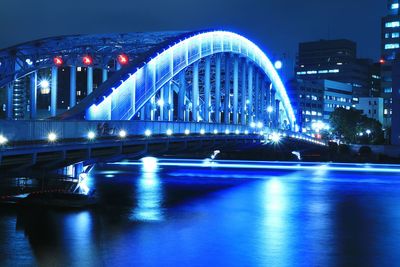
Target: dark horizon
[{"x": 328, "y": 20}]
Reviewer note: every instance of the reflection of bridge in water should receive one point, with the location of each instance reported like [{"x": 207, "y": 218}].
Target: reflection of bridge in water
[{"x": 159, "y": 92}]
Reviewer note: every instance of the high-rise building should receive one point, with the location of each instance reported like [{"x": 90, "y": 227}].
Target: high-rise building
[
  {"x": 334, "y": 60},
  {"x": 375, "y": 75},
  {"x": 390, "y": 46}
]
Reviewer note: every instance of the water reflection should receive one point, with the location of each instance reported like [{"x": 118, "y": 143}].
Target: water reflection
[
  {"x": 213, "y": 216},
  {"x": 149, "y": 193}
]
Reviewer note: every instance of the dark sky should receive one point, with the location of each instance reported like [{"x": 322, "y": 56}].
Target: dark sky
[{"x": 276, "y": 25}]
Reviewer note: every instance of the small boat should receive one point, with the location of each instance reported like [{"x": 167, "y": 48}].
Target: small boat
[{"x": 58, "y": 199}]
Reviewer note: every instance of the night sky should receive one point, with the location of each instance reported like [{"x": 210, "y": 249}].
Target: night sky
[{"x": 276, "y": 25}]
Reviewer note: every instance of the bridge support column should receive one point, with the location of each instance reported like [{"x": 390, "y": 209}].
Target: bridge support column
[
  {"x": 277, "y": 122},
  {"x": 165, "y": 96},
  {"x": 53, "y": 102},
  {"x": 89, "y": 80},
  {"x": 227, "y": 89},
  {"x": 170, "y": 102},
  {"x": 104, "y": 74},
  {"x": 9, "y": 105},
  {"x": 250, "y": 94},
  {"x": 33, "y": 94},
  {"x": 243, "y": 97},
  {"x": 181, "y": 96},
  {"x": 263, "y": 109},
  {"x": 235, "y": 89},
  {"x": 195, "y": 92},
  {"x": 117, "y": 66},
  {"x": 207, "y": 88},
  {"x": 257, "y": 97},
  {"x": 72, "y": 87},
  {"x": 148, "y": 112},
  {"x": 217, "y": 111}
]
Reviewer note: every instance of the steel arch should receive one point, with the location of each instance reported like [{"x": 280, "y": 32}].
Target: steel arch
[{"x": 137, "y": 85}]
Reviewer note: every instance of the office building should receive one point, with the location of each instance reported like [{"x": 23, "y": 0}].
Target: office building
[
  {"x": 390, "y": 46},
  {"x": 372, "y": 107},
  {"x": 314, "y": 101},
  {"x": 334, "y": 60}
]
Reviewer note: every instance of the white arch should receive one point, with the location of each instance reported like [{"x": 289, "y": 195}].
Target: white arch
[{"x": 145, "y": 81}]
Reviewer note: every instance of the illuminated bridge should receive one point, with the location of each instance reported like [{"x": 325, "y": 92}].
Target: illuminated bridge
[{"x": 141, "y": 93}]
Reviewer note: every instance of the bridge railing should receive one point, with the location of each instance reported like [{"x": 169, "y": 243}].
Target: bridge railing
[{"x": 16, "y": 131}]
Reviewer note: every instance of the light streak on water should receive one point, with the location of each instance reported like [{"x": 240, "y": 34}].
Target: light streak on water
[{"x": 264, "y": 165}]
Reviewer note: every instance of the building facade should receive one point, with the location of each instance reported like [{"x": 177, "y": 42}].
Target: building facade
[
  {"x": 372, "y": 107},
  {"x": 315, "y": 100},
  {"x": 334, "y": 60},
  {"x": 390, "y": 46}
]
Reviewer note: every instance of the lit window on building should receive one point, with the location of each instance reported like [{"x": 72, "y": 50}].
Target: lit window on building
[
  {"x": 387, "y": 90},
  {"x": 395, "y": 6},
  {"x": 395, "y": 34},
  {"x": 392, "y": 24},
  {"x": 392, "y": 46}
]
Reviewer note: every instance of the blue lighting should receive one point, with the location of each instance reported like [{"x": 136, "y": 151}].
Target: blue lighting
[{"x": 142, "y": 86}]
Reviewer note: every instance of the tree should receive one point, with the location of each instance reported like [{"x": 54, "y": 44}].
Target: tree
[{"x": 354, "y": 127}]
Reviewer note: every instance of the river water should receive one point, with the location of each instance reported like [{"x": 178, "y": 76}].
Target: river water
[{"x": 224, "y": 213}]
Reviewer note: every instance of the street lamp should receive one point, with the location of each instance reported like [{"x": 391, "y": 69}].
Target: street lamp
[{"x": 278, "y": 65}]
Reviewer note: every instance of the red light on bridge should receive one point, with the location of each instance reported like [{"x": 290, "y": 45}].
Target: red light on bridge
[
  {"x": 382, "y": 61},
  {"x": 58, "y": 61},
  {"x": 87, "y": 60},
  {"x": 123, "y": 59}
]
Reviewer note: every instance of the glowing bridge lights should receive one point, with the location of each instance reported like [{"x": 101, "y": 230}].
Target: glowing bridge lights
[
  {"x": 169, "y": 132},
  {"x": 3, "y": 140},
  {"x": 52, "y": 137},
  {"x": 147, "y": 133},
  {"x": 160, "y": 102},
  {"x": 202, "y": 131},
  {"x": 237, "y": 131},
  {"x": 215, "y": 131},
  {"x": 123, "y": 59},
  {"x": 87, "y": 60},
  {"x": 246, "y": 132},
  {"x": 29, "y": 61},
  {"x": 58, "y": 61},
  {"x": 187, "y": 132},
  {"x": 122, "y": 134},
  {"x": 260, "y": 125},
  {"x": 227, "y": 131},
  {"x": 164, "y": 60},
  {"x": 270, "y": 109},
  {"x": 253, "y": 124},
  {"x": 91, "y": 135},
  {"x": 44, "y": 84},
  {"x": 275, "y": 137}
]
